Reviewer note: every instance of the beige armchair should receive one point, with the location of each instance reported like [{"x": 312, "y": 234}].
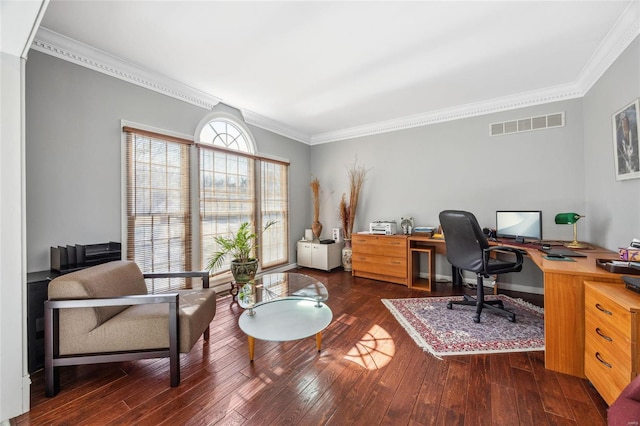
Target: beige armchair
[{"x": 105, "y": 314}]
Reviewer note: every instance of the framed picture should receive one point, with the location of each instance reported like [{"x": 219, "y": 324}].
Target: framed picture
[{"x": 625, "y": 141}]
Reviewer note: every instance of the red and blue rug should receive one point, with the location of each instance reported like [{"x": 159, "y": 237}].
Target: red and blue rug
[{"x": 443, "y": 331}]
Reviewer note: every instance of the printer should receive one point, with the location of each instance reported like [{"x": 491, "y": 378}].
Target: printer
[{"x": 383, "y": 227}]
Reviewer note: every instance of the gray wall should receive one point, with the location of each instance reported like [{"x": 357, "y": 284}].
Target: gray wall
[
  {"x": 421, "y": 171},
  {"x": 457, "y": 165},
  {"x": 73, "y": 138},
  {"x": 612, "y": 207}
]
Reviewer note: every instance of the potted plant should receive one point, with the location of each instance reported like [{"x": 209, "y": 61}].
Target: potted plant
[{"x": 241, "y": 247}]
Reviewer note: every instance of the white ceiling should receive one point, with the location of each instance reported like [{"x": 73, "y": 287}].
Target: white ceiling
[{"x": 323, "y": 71}]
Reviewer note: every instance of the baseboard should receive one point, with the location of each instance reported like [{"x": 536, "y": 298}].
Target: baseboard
[{"x": 504, "y": 286}]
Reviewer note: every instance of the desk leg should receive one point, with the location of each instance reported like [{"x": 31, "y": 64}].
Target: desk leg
[
  {"x": 252, "y": 346},
  {"x": 456, "y": 279},
  {"x": 319, "y": 341}
]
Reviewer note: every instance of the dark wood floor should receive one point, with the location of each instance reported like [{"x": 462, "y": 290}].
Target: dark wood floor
[{"x": 369, "y": 372}]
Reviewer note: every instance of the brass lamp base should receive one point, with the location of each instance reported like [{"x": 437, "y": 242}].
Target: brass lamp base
[{"x": 576, "y": 245}]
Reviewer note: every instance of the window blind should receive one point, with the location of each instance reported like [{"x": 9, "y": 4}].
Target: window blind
[
  {"x": 274, "y": 206},
  {"x": 158, "y": 208},
  {"x": 227, "y": 197}
]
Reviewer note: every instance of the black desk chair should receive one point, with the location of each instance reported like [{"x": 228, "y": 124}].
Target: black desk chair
[{"x": 468, "y": 250}]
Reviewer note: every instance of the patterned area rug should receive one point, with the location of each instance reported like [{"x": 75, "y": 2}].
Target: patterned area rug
[{"x": 443, "y": 331}]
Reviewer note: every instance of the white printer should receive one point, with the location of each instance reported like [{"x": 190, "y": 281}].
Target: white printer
[{"x": 383, "y": 227}]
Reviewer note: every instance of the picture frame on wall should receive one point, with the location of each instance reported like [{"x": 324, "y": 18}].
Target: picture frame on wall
[{"x": 626, "y": 149}]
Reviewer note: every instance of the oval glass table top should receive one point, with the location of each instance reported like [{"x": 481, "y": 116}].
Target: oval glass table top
[{"x": 279, "y": 286}]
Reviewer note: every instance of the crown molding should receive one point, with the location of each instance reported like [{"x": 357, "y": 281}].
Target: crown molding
[
  {"x": 265, "y": 123},
  {"x": 71, "y": 50},
  {"x": 537, "y": 97},
  {"x": 623, "y": 32}
]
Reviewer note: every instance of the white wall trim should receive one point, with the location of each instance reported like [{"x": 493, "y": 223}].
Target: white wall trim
[
  {"x": 62, "y": 47},
  {"x": 446, "y": 279},
  {"x": 265, "y": 123},
  {"x": 620, "y": 36}
]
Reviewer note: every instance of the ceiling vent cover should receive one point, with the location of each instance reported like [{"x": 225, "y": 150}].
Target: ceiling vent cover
[{"x": 527, "y": 124}]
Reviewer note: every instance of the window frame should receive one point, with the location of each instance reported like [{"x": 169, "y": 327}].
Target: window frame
[{"x": 194, "y": 173}]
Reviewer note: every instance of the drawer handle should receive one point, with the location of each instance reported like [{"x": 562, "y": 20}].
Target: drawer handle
[
  {"x": 395, "y": 262},
  {"x": 600, "y": 308},
  {"x": 604, "y": 336},
  {"x": 606, "y": 364}
]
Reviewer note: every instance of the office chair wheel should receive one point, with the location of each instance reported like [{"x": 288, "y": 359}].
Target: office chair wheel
[
  {"x": 512, "y": 317},
  {"x": 476, "y": 318},
  {"x": 449, "y": 305}
]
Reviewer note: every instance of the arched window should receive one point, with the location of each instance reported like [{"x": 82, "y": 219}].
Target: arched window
[
  {"x": 236, "y": 186},
  {"x": 225, "y": 134}
]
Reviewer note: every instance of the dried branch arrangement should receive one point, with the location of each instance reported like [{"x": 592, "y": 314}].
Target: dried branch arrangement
[
  {"x": 315, "y": 189},
  {"x": 357, "y": 175}
]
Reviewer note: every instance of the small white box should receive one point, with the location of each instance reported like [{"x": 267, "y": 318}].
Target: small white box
[{"x": 336, "y": 234}]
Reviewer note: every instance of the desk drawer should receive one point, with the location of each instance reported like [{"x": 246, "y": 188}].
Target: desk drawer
[
  {"x": 606, "y": 313},
  {"x": 616, "y": 351},
  {"x": 383, "y": 265},
  {"x": 390, "y": 246},
  {"x": 607, "y": 376},
  {"x": 607, "y": 335}
]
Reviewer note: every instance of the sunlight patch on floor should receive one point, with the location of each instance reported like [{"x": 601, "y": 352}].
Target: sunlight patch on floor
[{"x": 374, "y": 350}]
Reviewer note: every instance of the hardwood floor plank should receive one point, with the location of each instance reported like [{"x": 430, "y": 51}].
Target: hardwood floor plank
[
  {"x": 478, "y": 404},
  {"x": 453, "y": 403},
  {"x": 504, "y": 406},
  {"x": 404, "y": 399},
  {"x": 430, "y": 395},
  {"x": 369, "y": 372},
  {"x": 501, "y": 370},
  {"x": 551, "y": 394},
  {"x": 529, "y": 401}
]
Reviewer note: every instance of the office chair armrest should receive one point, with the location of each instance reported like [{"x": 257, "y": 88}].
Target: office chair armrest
[{"x": 517, "y": 252}]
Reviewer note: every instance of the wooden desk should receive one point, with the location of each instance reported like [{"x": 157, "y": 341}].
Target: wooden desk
[{"x": 564, "y": 326}]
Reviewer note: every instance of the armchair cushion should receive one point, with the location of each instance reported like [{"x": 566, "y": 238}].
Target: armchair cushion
[{"x": 119, "y": 278}]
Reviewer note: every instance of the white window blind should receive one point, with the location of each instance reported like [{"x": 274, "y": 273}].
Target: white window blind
[
  {"x": 158, "y": 212},
  {"x": 227, "y": 197},
  {"x": 274, "y": 206}
]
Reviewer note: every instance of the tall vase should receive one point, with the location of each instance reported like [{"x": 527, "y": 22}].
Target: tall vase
[
  {"x": 316, "y": 228},
  {"x": 346, "y": 254}
]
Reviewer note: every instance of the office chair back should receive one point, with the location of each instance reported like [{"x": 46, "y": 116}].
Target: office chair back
[{"x": 465, "y": 240}]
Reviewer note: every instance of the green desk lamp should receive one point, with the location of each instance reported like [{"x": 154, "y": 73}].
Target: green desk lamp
[{"x": 571, "y": 219}]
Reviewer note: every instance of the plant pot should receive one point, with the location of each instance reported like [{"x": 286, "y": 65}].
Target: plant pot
[
  {"x": 346, "y": 254},
  {"x": 244, "y": 272}
]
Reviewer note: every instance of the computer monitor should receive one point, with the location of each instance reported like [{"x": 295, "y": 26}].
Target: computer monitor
[{"x": 519, "y": 224}]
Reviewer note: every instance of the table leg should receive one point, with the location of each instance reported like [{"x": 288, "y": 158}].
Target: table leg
[
  {"x": 252, "y": 346},
  {"x": 319, "y": 340}
]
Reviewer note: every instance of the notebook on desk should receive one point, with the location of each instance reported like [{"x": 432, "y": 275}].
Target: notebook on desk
[{"x": 562, "y": 252}]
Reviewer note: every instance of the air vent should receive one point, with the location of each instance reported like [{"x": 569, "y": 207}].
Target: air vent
[{"x": 527, "y": 124}]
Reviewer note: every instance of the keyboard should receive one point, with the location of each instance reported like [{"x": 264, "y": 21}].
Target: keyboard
[{"x": 562, "y": 252}]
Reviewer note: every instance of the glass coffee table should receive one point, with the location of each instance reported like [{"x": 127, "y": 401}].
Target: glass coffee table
[{"x": 282, "y": 307}]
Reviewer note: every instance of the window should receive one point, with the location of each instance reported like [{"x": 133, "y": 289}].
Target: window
[
  {"x": 158, "y": 213},
  {"x": 230, "y": 185},
  {"x": 231, "y": 190}
]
